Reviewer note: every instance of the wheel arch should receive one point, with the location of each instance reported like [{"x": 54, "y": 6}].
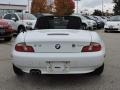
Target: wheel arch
[
  {"x": 21, "y": 26},
  {"x": 84, "y": 24},
  {"x": 18, "y": 29}
]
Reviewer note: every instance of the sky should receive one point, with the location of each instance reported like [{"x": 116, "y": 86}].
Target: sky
[
  {"x": 23, "y": 2},
  {"x": 96, "y": 4},
  {"x": 83, "y": 4}
]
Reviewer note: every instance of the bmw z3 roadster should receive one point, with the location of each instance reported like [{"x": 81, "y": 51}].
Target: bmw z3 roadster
[{"x": 58, "y": 46}]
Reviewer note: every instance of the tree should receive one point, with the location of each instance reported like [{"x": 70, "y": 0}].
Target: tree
[
  {"x": 64, "y": 7},
  {"x": 116, "y": 7},
  {"x": 39, "y": 6},
  {"x": 97, "y": 13}
]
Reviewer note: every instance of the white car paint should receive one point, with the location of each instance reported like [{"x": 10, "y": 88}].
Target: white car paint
[
  {"x": 89, "y": 23},
  {"x": 28, "y": 24},
  {"x": 46, "y": 57},
  {"x": 12, "y": 23},
  {"x": 112, "y": 25}
]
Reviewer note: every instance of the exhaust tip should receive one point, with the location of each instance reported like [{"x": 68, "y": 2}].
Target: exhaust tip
[{"x": 35, "y": 72}]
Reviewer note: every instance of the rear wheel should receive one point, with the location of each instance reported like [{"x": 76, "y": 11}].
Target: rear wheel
[
  {"x": 7, "y": 38},
  {"x": 18, "y": 71},
  {"x": 21, "y": 29},
  {"x": 91, "y": 28},
  {"x": 106, "y": 31},
  {"x": 99, "y": 70},
  {"x": 83, "y": 26}
]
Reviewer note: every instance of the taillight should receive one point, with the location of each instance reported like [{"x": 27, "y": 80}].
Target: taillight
[
  {"x": 22, "y": 47},
  {"x": 93, "y": 47}
]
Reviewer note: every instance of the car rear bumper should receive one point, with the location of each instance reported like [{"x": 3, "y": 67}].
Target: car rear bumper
[
  {"x": 112, "y": 29},
  {"x": 74, "y": 63},
  {"x": 8, "y": 34}
]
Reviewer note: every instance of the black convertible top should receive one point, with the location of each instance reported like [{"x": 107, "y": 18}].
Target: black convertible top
[{"x": 58, "y": 22}]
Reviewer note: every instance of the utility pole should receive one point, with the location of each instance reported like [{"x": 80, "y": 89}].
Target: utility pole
[
  {"x": 9, "y": 6},
  {"x": 29, "y": 4},
  {"x": 77, "y": 1},
  {"x": 50, "y": 3},
  {"x": 9, "y": 2},
  {"x": 77, "y": 6},
  {"x": 102, "y": 7}
]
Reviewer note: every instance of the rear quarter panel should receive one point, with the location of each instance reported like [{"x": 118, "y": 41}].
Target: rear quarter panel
[{"x": 96, "y": 38}]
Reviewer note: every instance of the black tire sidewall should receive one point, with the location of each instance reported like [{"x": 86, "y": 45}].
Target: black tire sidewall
[
  {"x": 99, "y": 70},
  {"x": 21, "y": 29},
  {"x": 8, "y": 38},
  {"x": 83, "y": 27},
  {"x": 17, "y": 71}
]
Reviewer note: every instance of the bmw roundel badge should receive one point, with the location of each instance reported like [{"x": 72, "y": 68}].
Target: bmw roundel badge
[{"x": 57, "y": 46}]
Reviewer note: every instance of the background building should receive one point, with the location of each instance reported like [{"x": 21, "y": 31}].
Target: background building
[{"x": 10, "y": 8}]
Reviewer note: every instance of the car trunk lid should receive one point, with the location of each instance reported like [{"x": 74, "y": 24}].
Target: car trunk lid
[{"x": 58, "y": 41}]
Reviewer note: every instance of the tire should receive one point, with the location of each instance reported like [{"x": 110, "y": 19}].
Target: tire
[
  {"x": 7, "y": 38},
  {"x": 99, "y": 70},
  {"x": 83, "y": 26},
  {"x": 21, "y": 29},
  {"x": 18, "y": 71},
  {"x": 106, "y": 31},
  {"x": 91, "y": 28}
]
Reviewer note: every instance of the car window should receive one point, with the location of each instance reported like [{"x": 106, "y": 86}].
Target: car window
[
  {"x": 51, "y": 22},
  {"x": 83, "y": 18},
  {"x": 92, "y": 17},
  {"x": 8, "y": 16},
  {"x": 14, "y": 16},
  {"x": 87, "y": 17},
  {"x": 26, "y": 16}
]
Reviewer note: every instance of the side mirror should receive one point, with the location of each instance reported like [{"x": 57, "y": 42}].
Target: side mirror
[{"x": 14, "y": 19}]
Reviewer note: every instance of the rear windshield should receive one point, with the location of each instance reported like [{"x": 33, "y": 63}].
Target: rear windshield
[{"x": 52, "y": 22}]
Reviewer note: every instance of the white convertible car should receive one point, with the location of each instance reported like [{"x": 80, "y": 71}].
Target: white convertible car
[
  {"x": 58, "y": 46},
  {"x": 113, "y": 24}
]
